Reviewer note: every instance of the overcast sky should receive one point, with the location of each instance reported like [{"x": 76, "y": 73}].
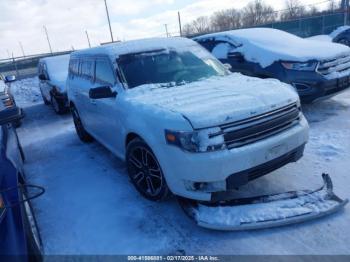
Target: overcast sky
[{"x": 66, "y": 20}]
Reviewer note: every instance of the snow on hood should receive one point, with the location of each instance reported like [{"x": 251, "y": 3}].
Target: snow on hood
[
  {"x": 266, "y": 46},
  {"x": 57, "y": 67},
  {"x": 216, "y": 100},
  {"x": 338, "y": 31}
]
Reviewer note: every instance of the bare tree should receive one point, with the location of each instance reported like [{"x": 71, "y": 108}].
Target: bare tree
[
  {"x": 201, "y": 24},
  {"x": 333, "y": 5},
  {"x": 293, "y": 10},
  {"x": 226, "y": 20},
  {"x": 257, "y": 13},
  {"x": 188, "y": 30}
]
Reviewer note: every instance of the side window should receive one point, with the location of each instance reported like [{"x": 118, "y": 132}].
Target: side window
[
  {"x": 221, "y": 49},
  {"x": 104, "y": 72},
  {"x": 74, "y": 67},
  {"x": 207, "y": 44},
  {"x": 87, "y": 69},
  {"x": 44, "y": 71}
]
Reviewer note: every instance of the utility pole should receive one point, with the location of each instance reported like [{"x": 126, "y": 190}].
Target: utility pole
[
  {"x": 48, "y": 39},
  {"x": 14, "y": 63},
  {"x": 180, "y": 27},
  {"x": 109, "y": 21},
  {"x": 166, "y": 30},
  {"x": 88, "y": 38},
  {"x": 8, "y": 53},
  {"x": 20, "y": 44}
]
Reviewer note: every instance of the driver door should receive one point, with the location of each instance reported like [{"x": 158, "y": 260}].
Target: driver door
[{"x": 106, "y": 114}]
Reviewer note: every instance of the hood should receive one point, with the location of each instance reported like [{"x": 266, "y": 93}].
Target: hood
[
  {"x": 217, "y": 100},
  {"x": 266, "y": 46}
]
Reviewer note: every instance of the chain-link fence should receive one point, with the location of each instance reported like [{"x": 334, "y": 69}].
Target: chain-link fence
[
  {"x": 23, "y": 67},
  {"x": 310, "y": 26}
]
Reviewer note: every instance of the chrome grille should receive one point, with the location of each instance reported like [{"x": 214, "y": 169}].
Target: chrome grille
[
  {"x": 256, "y": 128},
  {"x": 337, "y": 65}
]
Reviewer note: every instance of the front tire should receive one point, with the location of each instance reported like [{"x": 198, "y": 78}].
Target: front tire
[
  {"x": 46, "y": 102},
  {"x": 145, "y": 171},
  {"x": 81, "y": 132}
]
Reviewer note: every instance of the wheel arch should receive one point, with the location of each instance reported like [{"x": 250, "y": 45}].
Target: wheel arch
[{"x": 131, "y": 136}]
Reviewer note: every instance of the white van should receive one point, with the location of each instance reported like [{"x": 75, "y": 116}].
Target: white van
[
  {"x": 52, "y": 73},
  {"x": 180, "y": 120}
]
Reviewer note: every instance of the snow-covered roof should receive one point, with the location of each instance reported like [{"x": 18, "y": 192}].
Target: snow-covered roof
[
  {"x": 134, "y": 46},
  {"x": 266, "y": 46},
  {"x": 57, "y": 67},
  {"x": 338, "y": 31}
]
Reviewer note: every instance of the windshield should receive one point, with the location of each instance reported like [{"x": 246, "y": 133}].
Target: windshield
[{"x": 168, "y": 66}]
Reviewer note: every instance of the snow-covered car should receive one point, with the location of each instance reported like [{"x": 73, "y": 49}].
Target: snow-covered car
[
  {"x": 5, "y": 92},
  {"x": 19, "y": 234},
  {"x": 52, "y": 73},
  {"x": 316, "y": 69},
  {"x": 341, "y": 35},
  {"x": 182, "y": 122}
]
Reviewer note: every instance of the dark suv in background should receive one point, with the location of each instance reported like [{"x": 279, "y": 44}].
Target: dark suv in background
[
  {"x": 341, "y": 35},
  {"x": 316, "y": 69}
]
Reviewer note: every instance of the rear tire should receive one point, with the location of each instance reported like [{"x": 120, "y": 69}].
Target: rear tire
[
  {"x": 79, "y": 127},
  {"x": 57, "y": 106},
  {"x": 145, "y": 171}
]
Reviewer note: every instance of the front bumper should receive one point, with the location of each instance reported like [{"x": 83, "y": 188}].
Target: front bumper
[
  {"x": 265, "y": 211},
  {"x": 312, "y": 91},
  {"x": 200, "y": 176}
]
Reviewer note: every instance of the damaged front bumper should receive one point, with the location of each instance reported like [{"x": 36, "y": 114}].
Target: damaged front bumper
[{"x": 265, "y": 211}]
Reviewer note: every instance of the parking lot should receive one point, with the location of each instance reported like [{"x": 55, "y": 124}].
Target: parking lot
[{"x": 91, "y": 208}]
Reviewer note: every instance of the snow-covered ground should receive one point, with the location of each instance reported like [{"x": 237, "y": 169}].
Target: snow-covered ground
[{"x": 91, "y": 208}]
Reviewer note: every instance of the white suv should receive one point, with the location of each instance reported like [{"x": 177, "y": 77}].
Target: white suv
[{"x": 180, "y": 120}]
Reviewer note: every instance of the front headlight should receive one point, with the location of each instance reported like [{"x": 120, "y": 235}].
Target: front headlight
[
  {"x": 204, "y": 140},
  {"x": 307, "y": 66}
]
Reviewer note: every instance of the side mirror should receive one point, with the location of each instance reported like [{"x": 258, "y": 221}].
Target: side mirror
[
  {"x": 9, "y": 79},
  {"x": 42, "y": 77},
  {"x": 102, "y": 92}
]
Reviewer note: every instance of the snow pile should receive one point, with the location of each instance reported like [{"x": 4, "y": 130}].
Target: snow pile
[
  {"x": 308, "y": 204},
  {"x": 266, "y": 46},
  {"x": 338, "y": 31},
  {"x": 216, "y": 100},
  {"x": 57, "y": 67},
  {"x": 26, "y": 91}
]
